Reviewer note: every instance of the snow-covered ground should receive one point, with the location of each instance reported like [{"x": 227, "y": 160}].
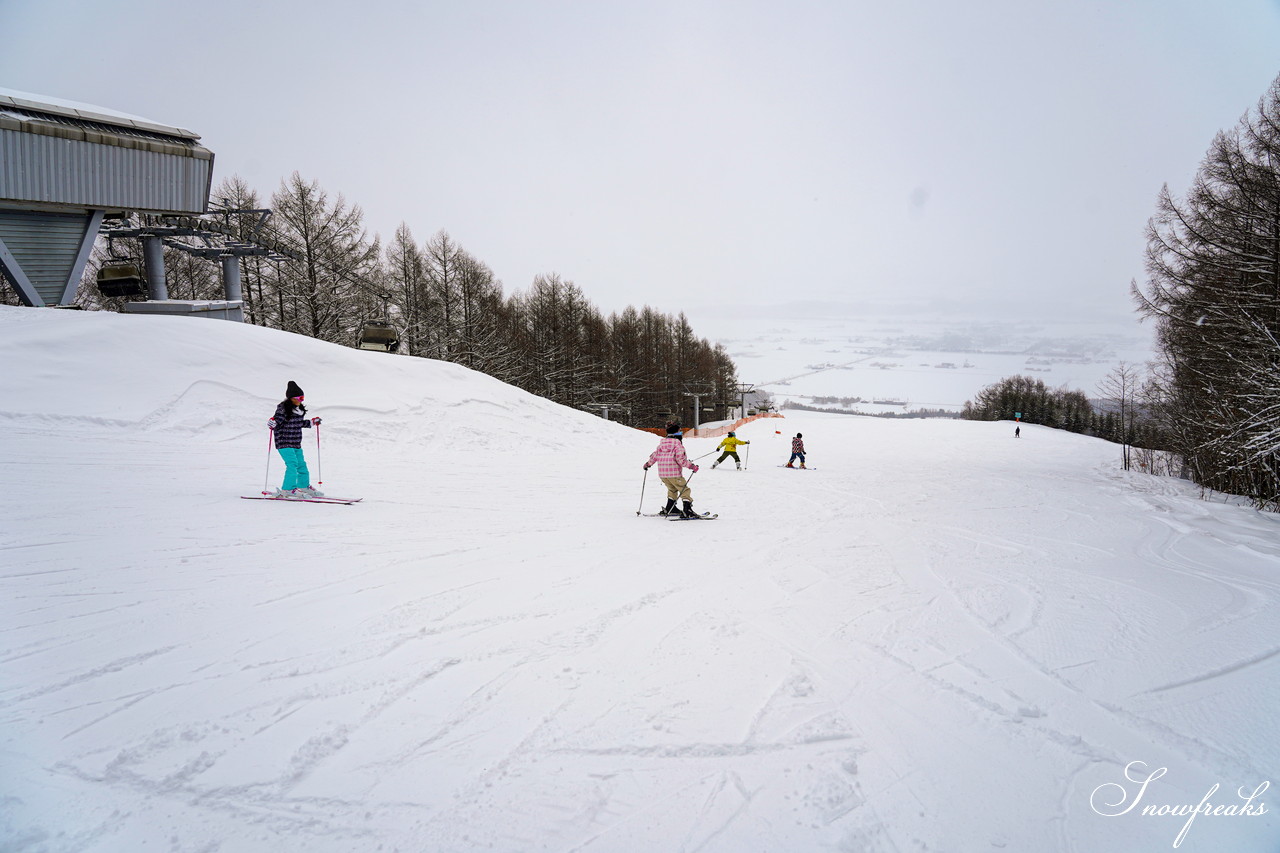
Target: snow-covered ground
[{"x": 941, "y": 639}]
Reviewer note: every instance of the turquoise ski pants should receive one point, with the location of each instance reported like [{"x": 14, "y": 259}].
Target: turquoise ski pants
[{"x": 296, "y": 475}]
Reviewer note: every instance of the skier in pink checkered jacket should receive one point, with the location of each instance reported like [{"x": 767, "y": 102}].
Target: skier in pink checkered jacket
[
  {"x": 797, "y": 451},
  {"x": 671, "y": 459}
]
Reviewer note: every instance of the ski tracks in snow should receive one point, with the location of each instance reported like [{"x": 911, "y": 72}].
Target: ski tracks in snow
[
  {"x": 823, "y": 669},
  {"x": 968, "y": 614}
]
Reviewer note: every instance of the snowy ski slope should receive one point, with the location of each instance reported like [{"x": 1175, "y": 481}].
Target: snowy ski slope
[{"x": 944, "y": 639}]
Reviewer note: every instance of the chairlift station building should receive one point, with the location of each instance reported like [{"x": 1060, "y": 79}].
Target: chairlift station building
[{"x": 64, "y": 168}]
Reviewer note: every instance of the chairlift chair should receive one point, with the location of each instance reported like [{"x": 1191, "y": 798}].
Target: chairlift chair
[
  {"x": 379, "y": 335},
  {"x": 121, "y": 278}
]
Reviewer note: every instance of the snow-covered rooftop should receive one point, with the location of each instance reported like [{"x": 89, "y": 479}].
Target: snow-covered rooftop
[{"x": 88, "y": 112}]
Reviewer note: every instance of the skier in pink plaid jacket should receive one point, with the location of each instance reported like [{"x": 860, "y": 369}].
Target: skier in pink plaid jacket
[{"x": 671, "y": 459}]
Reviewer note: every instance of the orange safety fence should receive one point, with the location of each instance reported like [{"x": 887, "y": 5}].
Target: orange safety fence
[{"x": 714, "y": 432}]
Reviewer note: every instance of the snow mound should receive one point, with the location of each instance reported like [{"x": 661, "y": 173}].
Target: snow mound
[{"x": 220, "y": 379}]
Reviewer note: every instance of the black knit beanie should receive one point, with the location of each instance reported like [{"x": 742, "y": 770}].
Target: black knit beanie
[
  {"x": 673, "y": 428},
  {"x": 292, "y": 391}
]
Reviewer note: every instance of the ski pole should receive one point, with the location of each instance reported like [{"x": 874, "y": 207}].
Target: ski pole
[
  {"x": 267, "y": 475},
  {"x": 319, "y": 468},
  {"x": 747, "y": 460},
  {"x": 642, "y": 484},
  {"x": 688, "y": 491}
]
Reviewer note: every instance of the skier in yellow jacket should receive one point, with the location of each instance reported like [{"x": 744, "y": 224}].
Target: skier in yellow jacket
[{"x": 730, "y": 446}]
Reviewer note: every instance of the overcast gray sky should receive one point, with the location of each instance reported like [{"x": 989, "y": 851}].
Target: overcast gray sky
[{"x": 986, "y": 152}]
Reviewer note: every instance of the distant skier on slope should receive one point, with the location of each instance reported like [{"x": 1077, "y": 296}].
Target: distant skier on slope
[
  {"x": 671, "y": 459},
  {"x": 287, "y": 425},
  {"x": 797, "y": 450},
  {"x": 730, "y": 445}
]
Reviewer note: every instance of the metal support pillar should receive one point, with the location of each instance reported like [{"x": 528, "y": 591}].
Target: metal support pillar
[
  {"x": 153, "y": 260},
  {"x": 82, "y": 257},
  {"x": 11, "y": 271},
  {"x": 231, "y": 278},
  {"x": 697, "y": 405},
  {"x": 744, "y": 388}
]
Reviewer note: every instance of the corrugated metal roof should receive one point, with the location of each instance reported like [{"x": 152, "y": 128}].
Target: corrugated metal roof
[
  {"x": 63, "y": 156},
  {"x": 53, "y": 170},
  {"x": 22, "y": 114},
  {"x": 88, "y": 113}
]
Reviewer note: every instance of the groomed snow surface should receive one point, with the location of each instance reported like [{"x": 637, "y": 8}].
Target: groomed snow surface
[{"x": 942, "y": 639}]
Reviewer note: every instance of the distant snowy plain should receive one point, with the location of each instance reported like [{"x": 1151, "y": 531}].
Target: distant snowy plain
[
  {"x": 890, "y": 360},
  {"x": 942, "y": 639}
]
